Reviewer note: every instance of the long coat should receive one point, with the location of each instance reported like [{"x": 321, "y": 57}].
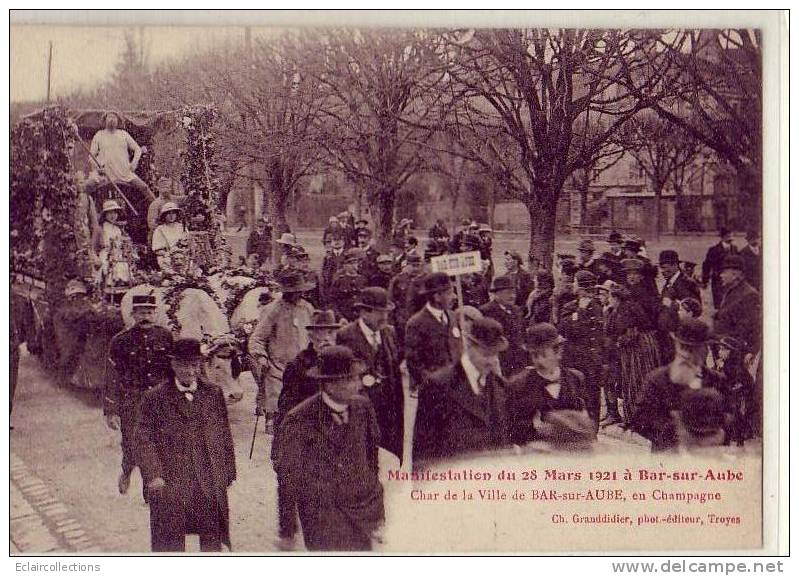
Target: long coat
[
  {"x": 331, "y": 471},
  {"x": 512, "y": 319},
  {"x": 429, "y": 345},
  {"x": 740, "y": 315},
  {"x": 451, "y": 420},
  {"x": 189, "y": 445},
  {"x": 711, "y": 269},
  {"x": 386, "y": 394}
]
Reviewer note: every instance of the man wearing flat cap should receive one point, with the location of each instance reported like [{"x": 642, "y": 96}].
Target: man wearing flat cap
[
  {"x": 137, "y": 362},
  {"x": 298, "y": 386},
  {"x": 582, "y": 324},
  {"x": 325, "y": 456},
  {"x": 432, "y": 335},
  {"x": 185, "y": 450},
  {"x": 346, "y": 285},
  {"x": 374, "y": 342},
  {"x": 504, "y": 310},
  {"x": 545, "y": 388},
  {"x": 462, "y": 406},
  {"x": 739, "y": 313},
  {"x": 665, "y": 388},
  {"x": 711, "y": 267}
]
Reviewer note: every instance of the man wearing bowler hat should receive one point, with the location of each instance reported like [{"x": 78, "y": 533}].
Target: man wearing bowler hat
[
  {"x": 462, "y": 406},
  {"x": 504, "y": 310},
  {"x": 676, "y": 288},
  {"x": 298, "y": 386},
  {"x": 185, "y": 451},
  {"x": 544, "y": 388},
  {"x": 664, "y": 389},
  {"x": 711, "y": 267},
  {"x": 582, "y": 324},
  {"x": 753, "y": 260},
  {"x": 137, "y": 360},
  {"x": 374, "y": 342},
  {"x": 432, "y": 335},
  {"x": 325, "y": 456},
  {"x": 739, "y": 313}
]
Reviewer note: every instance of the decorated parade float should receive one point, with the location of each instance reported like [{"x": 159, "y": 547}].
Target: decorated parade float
[{"x": 71, "y": 291}]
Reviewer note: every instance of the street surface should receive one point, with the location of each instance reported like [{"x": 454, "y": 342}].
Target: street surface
[{"x": 65, "y": 461}]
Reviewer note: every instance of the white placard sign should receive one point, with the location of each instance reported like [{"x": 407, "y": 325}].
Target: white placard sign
[{"x": 456, "y": 264}]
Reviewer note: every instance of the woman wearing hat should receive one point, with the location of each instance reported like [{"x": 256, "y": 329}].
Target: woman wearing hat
[
  {"x": 636, "y": 352},
  {"x": 114, "y": 267},
  {"x": 168, "y": 233}
]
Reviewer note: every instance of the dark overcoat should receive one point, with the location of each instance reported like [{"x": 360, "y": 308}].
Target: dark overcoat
[
  {"x": 740, "y": 315},
  {"x": 331, "y": 471},
  {"x": 386, "y": 394},
  {"x": 711, "y": 269},
  {"x": 429, "y": 345},
  {"x": 512, "y": 319},
  {"x": 527, "y": 395},
  {"x": 188, "y": 444},
  {"x": 451, "y": 420},
  {"x": 659, "y": 397}
]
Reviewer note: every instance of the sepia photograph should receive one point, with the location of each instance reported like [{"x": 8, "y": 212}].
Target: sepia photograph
[{"x": 288, "y": 284}]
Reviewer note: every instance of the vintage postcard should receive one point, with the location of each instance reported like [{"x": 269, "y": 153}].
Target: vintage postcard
[{"x": 397, "y": 283}]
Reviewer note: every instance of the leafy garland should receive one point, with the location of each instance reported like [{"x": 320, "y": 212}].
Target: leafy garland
[
  {"x": 236, "y": 292},
  {"x": 173, "y": 291},
  {"x": 199, "y": 175},
  {"x": 43, "y": 199}
]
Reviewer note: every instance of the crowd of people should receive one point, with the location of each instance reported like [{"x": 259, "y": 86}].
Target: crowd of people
[{"x": 611, "y": 338}]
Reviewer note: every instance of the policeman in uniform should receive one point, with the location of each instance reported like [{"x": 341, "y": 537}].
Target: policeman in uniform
[
  {"x": 346, "y": 285},
  {"x": 138, "y": 360},
  {"x": 582, "y": 324}
]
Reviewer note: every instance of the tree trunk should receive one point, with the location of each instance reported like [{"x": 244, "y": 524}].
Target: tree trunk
[
  {"x": 658, "y": 200},
  {"x": 542, "y": 235},
  {"x": 384, "y": 218}
]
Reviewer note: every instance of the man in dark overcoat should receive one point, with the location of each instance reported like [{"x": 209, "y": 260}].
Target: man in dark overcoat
[
  {"x": 432, "y": 335},
  {"x": 677, "y": 287},
  {"x": 374, "y": 342},
  {"x": 664, "y": 389},
  {"x": 462, "y": 406},
  {"x": 739, "y": 314},
  {"x": 184, "y": 448},
  {"x": 543, "y": 388},
  {"x": 711, "y": 267},
  {"x": 137, "y": 361},
  {"x": 325, "y": 455},
  {"x": 400, "y": 293},
  {"x": 346, "y": 285},
  {"x": 503, "y": 309},
  {"x": 297, "y": 387},
  {"x": 582, "y": 323},
  {"x": 753, "y": 260}
]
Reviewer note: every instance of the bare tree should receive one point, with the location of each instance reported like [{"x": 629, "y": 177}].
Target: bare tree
[
  {"x": 271, "y": 113},
  {"x": 714, "y": 93},
  {"x": 378, "y": 109},
  {"x": 539, "y": 104},
  {"x": 665, "y": 153}
]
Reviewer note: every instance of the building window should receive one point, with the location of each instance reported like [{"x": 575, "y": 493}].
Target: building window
[{"x": 635, "y": 213}]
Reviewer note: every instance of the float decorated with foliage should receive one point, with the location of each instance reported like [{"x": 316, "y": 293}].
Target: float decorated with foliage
[{"x": 54, "y": 228}]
